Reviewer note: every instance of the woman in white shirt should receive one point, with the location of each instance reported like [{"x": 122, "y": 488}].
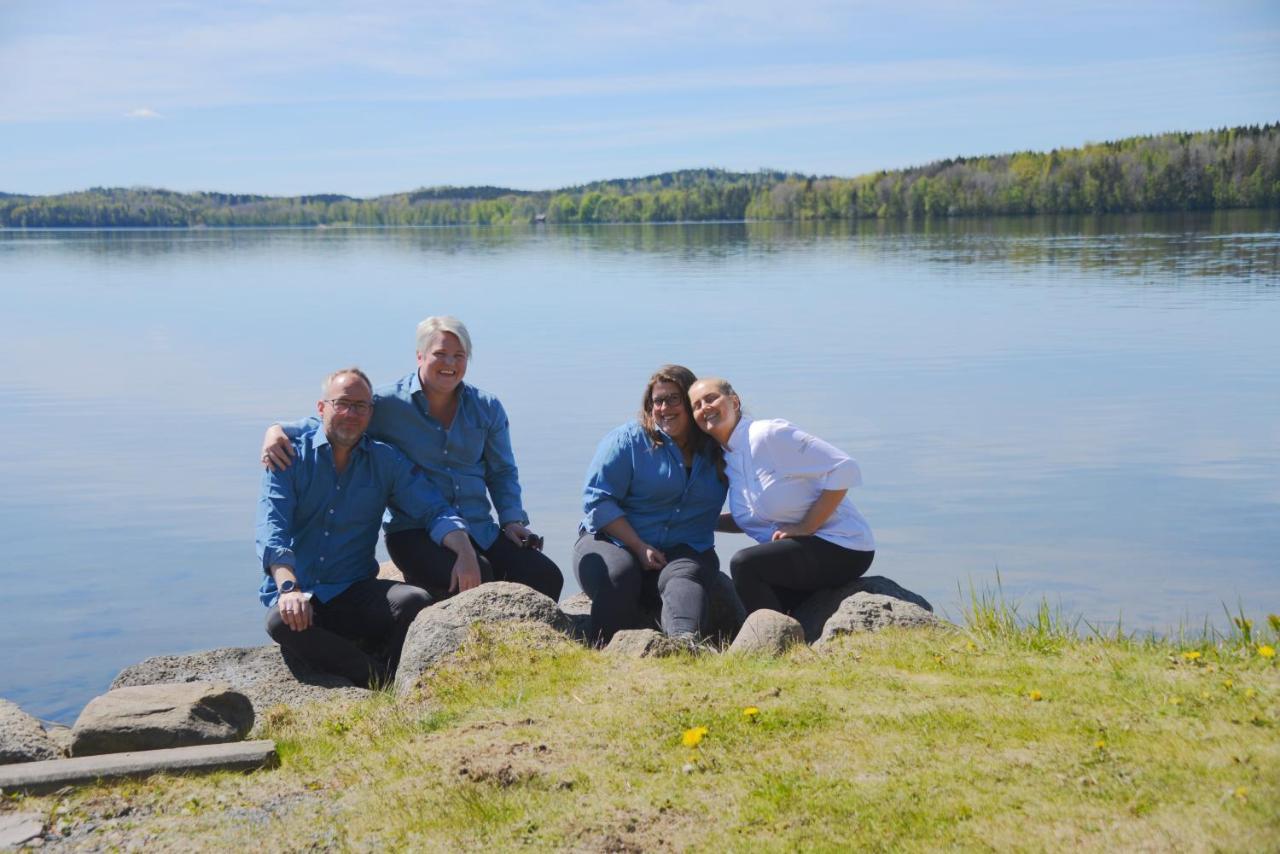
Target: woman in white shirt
[{"x": 788, "y": 492}]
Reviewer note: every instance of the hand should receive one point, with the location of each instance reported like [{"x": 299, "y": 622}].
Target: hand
[
  {"x": 787, "y": 531},
  {"x": 277, "y": 450},
  {"x": 295, "y": 610},
  {"x": 466, "y": 573},
  {"x": 650, "y": 558},
  {"x": 516, "y": 532}
]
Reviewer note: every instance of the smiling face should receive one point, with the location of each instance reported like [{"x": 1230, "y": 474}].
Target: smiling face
[
  {"x": 716, "y": 409},
  {"x": 669, "y": 412},
  {"x": 442, "y": 363},
  {"x": 346, "y": 409}
]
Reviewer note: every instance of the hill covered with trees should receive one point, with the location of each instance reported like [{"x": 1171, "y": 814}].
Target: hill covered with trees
[{"x": 1228, "y": 168}]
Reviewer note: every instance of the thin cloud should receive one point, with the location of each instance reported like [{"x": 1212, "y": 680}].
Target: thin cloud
[{"x": 142, "y": 113}]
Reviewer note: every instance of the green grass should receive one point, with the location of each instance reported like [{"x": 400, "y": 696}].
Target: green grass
[{"x": 1003, "y": 733}]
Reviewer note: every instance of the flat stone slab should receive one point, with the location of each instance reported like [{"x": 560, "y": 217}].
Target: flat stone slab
[
  {"x": 19, "y": 827},
  {"x": 52, "y": 774}
]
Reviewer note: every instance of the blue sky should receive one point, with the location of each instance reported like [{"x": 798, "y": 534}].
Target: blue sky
[{"x": 363, "y": 99}]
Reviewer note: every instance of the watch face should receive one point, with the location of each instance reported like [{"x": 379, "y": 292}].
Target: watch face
[{"x": 288, "y": 587}]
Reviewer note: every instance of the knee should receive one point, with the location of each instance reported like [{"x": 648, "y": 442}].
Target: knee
[
  {"x": 408, "y": 601},
  {"x": 742, "y": 564},
  {"x": 277, "y": 629}
]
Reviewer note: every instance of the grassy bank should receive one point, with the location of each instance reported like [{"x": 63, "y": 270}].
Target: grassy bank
[{"x": 999, "y": 734}]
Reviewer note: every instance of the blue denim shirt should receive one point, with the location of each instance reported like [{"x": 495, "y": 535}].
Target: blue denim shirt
[
  {"x": 324, "y": 525},
  {"x": 631, "y": 477},
  {"x": 470, "y": 463}
]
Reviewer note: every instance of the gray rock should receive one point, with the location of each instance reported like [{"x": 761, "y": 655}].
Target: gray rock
[
  {"x": 262, "y": 673},
  {"x": 870, "y": 612},
  {"x": 440, "y": 630},
  {"x": 61, "y": 736},
  {"x": 818, "y": 609},
  {"x": 725, "y": 612},
  {"x": 768, "y": 633},
  {"x": 22, "y": 739},
  {"x": 645, "y": 643},
  {"x": 19, "y": 827},
  {"x": 156, "y": 717}
]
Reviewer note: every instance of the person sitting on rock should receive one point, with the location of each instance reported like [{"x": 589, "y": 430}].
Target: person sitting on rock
[
  {"x": 788, "y": 491},
  {"x": 318, "y": 524}
]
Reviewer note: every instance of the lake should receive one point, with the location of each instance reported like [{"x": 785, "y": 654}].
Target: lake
[{"x": 1086, "y": 408}]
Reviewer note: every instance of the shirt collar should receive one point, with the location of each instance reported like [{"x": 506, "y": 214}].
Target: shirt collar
[
  {"x": 415, "y": 386},
  {"x": 322, "y": 438},
  {"x": 738, "y": 438}
]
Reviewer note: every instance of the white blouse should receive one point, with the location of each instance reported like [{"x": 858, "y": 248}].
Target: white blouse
[{"x": 776, "y": 471}]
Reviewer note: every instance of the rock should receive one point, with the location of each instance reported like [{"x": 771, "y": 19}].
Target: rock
[
  {"x": 645, "y": 643},
  {"x": 440, "y": 629},
  {"x": 22, "y": 739},
  {"x": 767, "y": 633},
  {"x": 61, "y": 737},
  {"x": 262, "y": 673},
  {"x": 156, "y": 717},
  {"x": 19, "y": 827},
  {"x": 725, "y": 612},
  {"x": 816, "y": 611}
]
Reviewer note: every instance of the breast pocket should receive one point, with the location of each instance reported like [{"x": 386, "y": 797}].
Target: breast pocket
[
  {"x": 365, "y": 504},
  {"x": 465, "y": 447}
]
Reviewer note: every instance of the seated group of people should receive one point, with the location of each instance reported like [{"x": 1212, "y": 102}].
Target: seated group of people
[{"x": 433, "y": 454}]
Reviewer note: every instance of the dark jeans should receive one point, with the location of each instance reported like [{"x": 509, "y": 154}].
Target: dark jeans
[
  {"x": 429, "y": 565},
  {"x": 621, "y": 590},
  {"x": 781, "y": 574},
  {"x": 374, "y": 613}
]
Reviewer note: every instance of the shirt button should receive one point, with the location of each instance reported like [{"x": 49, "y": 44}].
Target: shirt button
[
  {"x": 322, "y": 560},
  {"x": 339, "y": 488},
  {"x": 326, "y": 533},
  {"x": 446, "y": 452},
  {"x": 330, "y": 511}
]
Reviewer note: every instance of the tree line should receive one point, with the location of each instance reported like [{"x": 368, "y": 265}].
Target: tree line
[{"x": 1217, "y": 169}]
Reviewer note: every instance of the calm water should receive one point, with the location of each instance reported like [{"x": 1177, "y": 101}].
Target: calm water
[{"x": 1089, "y": 407}]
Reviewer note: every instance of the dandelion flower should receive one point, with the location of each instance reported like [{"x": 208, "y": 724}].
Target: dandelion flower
[
  {"x": 1192, "y": 655},
  {"x": 1267, "y": 651},
  {"x": 1249, "y": 693},
  {"x": 1242, "y": 793},
  {"x": 973, "y": 646},
  {"x": 1228, "y": 684},
  {"x": 1175, "y": 701},
  {"x": 693, "y": 737},
  {"x": 1101, "y": 744},
  {"x": 751, "y": 713},
  {"x": 1035, "y": 696}
]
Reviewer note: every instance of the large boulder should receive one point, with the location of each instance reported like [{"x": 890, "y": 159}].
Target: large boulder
[
  {"x": 767, "y": 633},
  {"x": 725, "y": 612},
  {"x": 264, "y": 674},
  {"x": 865, "y": 605},
  {"x": 22, "y": 738},
  {"x": 155, "y": 717},
  {"x": 440, "y": 629}
]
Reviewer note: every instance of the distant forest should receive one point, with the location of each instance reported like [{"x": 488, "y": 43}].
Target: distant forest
[{"x": 1228, "y": 168}]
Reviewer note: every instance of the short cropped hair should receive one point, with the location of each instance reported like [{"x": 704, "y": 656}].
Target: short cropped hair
[
  {"x": 443, "y": 323},
  {"x": 324, "y": 386}
]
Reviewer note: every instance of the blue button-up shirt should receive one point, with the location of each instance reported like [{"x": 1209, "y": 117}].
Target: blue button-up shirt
[
  {"x": 630, "y": 476},
  {"x": 470, "y": 463},
  {"x": 324, "y": 525}
]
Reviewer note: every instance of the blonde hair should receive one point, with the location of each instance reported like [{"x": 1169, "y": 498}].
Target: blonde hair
[{"x": 443, "y": 323}]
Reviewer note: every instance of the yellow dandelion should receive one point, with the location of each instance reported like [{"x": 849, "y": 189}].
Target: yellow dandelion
[
  {"x": 751, "y": 713},
  {"x": 1228, "y": 684},
  {"x": 1175, "y": 701},
  {"x": 1192, "y": 655},
  {"x": 1267, "y": 651},
  {"x": 693, "y": 737},
  {"x": 1101, "y": 744},
  {"x": 972, "y": 646},
  {"x": 1035, "y": 696},
  {"x": 1249, "y": 693},
  {"x": 1242, "y": 793}
]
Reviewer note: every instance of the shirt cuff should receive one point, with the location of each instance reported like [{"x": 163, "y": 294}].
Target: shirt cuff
[
  {"x": 845, "y": 475},
  {"x": 514, "y": 514},
  {"x": 445, "y": 527},
  {"x": 279, "y": 557},
  {"x": 603, "y": 514}
]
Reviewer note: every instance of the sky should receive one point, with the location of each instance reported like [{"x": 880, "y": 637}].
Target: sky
[{"x": 291, "y": 98}]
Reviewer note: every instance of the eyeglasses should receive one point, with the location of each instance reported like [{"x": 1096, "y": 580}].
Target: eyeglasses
[
  {"x": 342, "y": 407},
  {"x": 670, "y": 400}
]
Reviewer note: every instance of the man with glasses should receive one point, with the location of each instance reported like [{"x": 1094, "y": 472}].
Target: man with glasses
[{"x": 318, "y": 523}]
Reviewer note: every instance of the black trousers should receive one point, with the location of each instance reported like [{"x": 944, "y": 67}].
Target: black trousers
[
  {"x": 621, "y": 590},
  {"x": 372, "y": 613},
  {"x": 429, "y": 565},
  {"x": 781, "y": 574}
]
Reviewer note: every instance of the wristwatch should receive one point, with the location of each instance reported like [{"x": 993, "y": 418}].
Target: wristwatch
[{"x": 289, "y": 586}]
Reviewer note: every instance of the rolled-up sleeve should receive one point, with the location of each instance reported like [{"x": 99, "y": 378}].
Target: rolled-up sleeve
[
  {"x": 500, "y": 473},
  {"x": 419, "y": 499},
  {"x": 608, "y": 481},
  {"x": 276, "y": 507},
  {"x": 294, "y": 429},
  {"x": 796, "y": 453}
]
